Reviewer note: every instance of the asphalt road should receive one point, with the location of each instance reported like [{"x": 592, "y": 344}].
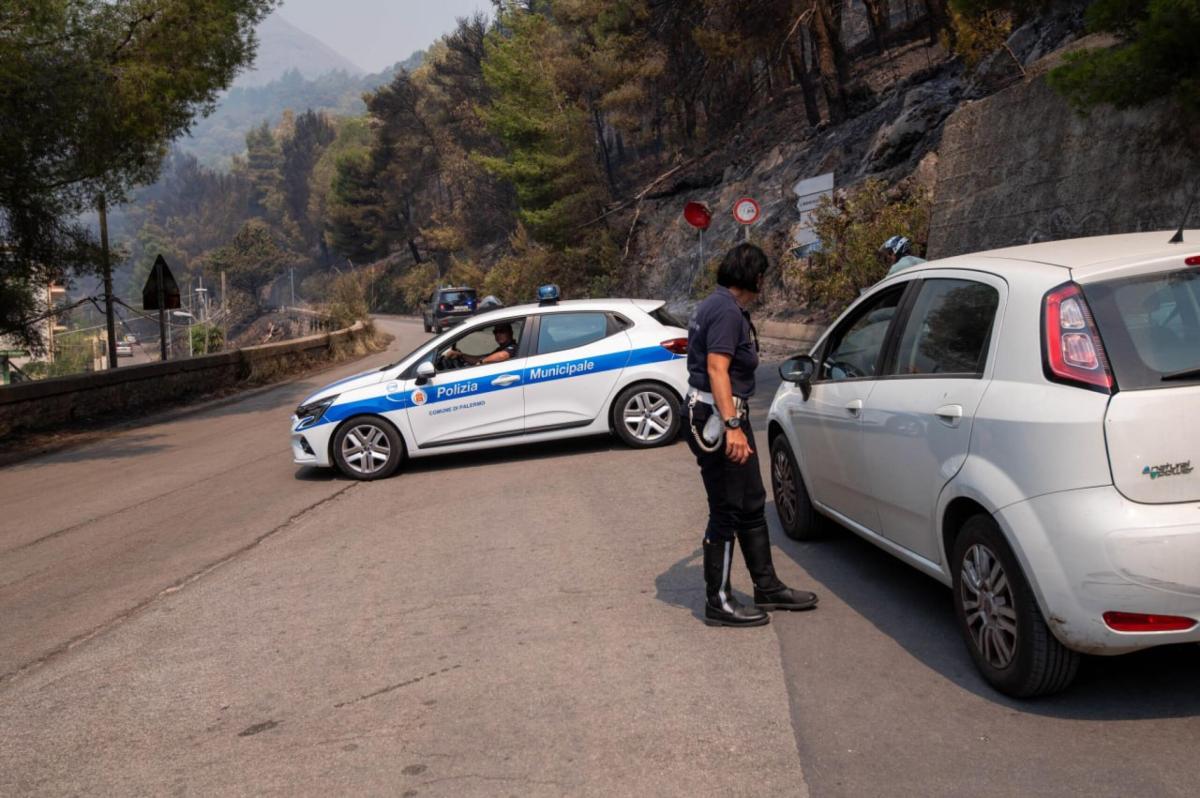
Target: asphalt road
[{"x": 183, "y": 611}]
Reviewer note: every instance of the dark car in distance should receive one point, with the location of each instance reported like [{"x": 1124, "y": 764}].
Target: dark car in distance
[{"x": 447, "y": 307}]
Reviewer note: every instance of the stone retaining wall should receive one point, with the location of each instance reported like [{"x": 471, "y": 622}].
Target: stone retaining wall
[
  {"x": 1021, "y": 167},
  {"x": 50, "y": 403}
]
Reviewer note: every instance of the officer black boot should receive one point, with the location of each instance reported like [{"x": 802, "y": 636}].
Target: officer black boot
[
  {"x": 769, "y": 592},
  {"x": 721, "y": 608}
]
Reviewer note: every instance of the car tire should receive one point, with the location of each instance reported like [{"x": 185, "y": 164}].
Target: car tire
[
  {"x": 797, "y": 515},
  {"x": 646, "y": 415},
  {"x": 999, "y": 617},
  {"x": 367, "y": 447}
]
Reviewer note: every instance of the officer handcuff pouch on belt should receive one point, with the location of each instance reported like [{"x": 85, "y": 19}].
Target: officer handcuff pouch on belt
[{"x": 712, "y": 437}]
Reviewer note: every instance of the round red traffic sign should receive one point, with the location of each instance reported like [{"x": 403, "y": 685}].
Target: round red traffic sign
[
  {"x": 697, "y": 215},
  {"x": 746, "y": 211}
]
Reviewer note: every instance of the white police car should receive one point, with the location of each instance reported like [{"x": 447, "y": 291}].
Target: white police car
[{"x": 576, "y": 368}]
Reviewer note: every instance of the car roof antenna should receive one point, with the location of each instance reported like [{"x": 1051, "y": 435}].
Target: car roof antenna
[{"x": 1178, "y": 237}]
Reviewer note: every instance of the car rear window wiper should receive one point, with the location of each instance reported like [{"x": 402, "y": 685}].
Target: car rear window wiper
[{"x": 1185, "y": 374}]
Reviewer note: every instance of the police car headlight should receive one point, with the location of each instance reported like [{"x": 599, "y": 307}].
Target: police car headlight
[{"x": 311, "y": 413}]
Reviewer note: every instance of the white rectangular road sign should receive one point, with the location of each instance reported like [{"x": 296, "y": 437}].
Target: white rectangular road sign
[{"x": 809, "y": 193}]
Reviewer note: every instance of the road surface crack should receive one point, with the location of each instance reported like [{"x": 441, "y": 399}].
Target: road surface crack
[
  {"x": 180, "y": 584},
  {"x": 397, "y": 686}
]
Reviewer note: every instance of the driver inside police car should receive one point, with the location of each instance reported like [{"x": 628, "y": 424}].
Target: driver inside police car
[{"x": 506, "y": 348}]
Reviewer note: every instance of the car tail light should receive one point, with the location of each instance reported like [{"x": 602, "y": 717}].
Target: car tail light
[
  {"x": 1141, "y": 622},
  {"x": 1193, "y": 260},
  {"x": 445, "y": 306},
  {"x": 1072, "y": 350},
  {"x": 676, "y": 346}
]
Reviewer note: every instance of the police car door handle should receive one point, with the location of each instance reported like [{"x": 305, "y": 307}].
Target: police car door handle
[
  {"x": 855, "y": 407},
  {"x": 506, "y": 380}
]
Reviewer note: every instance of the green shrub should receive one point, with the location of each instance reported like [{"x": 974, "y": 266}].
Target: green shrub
[{"x": 851, "y": 227}]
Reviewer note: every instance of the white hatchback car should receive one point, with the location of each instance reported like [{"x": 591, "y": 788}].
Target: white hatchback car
[
  {"x": 1017, "y": 424},
  {"x": 579, "y": 368}
]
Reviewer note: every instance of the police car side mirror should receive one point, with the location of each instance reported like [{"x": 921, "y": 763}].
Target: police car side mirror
[
  {"x": 425, "y": 372},
  {"x": 799, "y": 371}
]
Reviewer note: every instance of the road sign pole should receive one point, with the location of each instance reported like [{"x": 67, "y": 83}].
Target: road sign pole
[{"x": 162, "y": 310}]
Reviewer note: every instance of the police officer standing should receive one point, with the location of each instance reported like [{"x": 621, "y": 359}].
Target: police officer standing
[{"x": 722, "y": 357}]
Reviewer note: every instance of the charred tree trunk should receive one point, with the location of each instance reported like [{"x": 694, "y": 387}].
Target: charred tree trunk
[
  {"x": 603, "y": 143},
  {"x": 799, "y": 62},
  {"x": 826, "y": 29},
  {"x": 938, "y": 18},
  {"x": 878, "y": 20}
]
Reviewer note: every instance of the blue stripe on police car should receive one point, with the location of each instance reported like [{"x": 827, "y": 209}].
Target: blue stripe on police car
[{"x": 432, "y": 394}]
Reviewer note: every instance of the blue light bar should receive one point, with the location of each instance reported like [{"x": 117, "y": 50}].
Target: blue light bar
[{"x": 547, "y": 294}]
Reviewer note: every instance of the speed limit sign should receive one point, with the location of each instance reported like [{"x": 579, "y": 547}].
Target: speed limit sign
[{"x": 746, "y": 211}]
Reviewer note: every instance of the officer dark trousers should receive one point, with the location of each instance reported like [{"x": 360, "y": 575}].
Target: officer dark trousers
[{"x": 736, "y": 501}]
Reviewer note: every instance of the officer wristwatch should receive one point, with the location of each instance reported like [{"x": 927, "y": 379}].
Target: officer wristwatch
[{"x": 733, "y": 423}]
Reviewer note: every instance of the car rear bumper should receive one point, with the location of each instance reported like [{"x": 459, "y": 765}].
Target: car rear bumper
[
  {"x": 1093, "y": 551},
  {"x": 446, "y": 322}
]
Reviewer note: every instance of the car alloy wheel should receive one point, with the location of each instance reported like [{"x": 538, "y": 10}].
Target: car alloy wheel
[
  {"x": 648, "y": 416},
  {"x": 797, "y": 515},
  {"x": 988, "y": 601},
  {"x": 645, "y": 415},
  {"x": 367, "y": 447},
  {"x": 999, "y": 616},
  {"x": 783, "y": 484}
]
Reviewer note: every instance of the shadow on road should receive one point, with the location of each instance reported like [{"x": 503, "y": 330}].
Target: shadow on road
[
  {"x": 517, "y": 453},
  {"x": 917, "y": 613},
  {"x": 123, "y": 447}
]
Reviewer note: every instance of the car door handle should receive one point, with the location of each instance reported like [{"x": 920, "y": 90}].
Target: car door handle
[
  {"x": 949, "y": 415},
  {"x": 506, "y": 380},
  {"x": 855, "y": 407}
]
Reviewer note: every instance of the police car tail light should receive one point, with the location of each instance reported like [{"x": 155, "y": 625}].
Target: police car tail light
[
  {"x": 1142, "y": 622},
  {"x": 676, "y": 346},
  {"x": 1072, "y": 350}
]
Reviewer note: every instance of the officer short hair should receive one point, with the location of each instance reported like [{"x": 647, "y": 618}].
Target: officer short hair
[
  {"x": 505, "y": 326},
  {"x": 742, "y": 266}
]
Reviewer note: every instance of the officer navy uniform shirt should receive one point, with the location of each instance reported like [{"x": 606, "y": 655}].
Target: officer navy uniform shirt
[
  {"x": 510, "y": 347},
  {"x": 722, "y": 327}
]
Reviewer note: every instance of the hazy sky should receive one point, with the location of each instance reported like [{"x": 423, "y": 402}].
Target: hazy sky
[{"x": 377, "y": 33}]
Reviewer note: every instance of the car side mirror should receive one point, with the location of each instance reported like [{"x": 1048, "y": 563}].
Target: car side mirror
[
  {"x": 425, "y": 372},
  {"x": 799, "y": 370}
]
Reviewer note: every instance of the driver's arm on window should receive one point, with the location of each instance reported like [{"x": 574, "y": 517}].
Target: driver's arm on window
[{"x": 496, "y": 357}]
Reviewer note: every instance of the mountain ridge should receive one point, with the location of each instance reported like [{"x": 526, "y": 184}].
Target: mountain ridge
[{"x": 283, "y": 47}]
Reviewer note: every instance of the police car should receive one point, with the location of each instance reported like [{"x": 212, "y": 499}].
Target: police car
[{"x": 572, "y": 368}]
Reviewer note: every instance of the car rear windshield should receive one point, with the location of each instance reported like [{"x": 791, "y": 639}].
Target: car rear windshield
[
  {"x": 666, "y": 318},
  {"x": 1150, "y": 326},
  {"x": 457, "y": 297}
]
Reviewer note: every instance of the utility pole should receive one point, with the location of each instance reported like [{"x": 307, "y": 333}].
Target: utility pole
[
  {"x": 110, "y": 321},
  {"x": 224, "y": 308}
]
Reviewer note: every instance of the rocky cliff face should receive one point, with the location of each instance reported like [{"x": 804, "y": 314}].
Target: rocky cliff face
[{"x": 1021, "y": 166}]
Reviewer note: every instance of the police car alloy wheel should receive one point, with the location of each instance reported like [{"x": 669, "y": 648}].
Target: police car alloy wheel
[
  {"x": 367, "y": 447},
  {"x": 646, "y": 415},
  {"x": 999, "y": 617},
  {"x": 796, "y": 512}
]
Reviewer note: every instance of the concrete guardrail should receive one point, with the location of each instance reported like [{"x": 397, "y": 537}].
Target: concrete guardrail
[{"x": 48, "y": 403}]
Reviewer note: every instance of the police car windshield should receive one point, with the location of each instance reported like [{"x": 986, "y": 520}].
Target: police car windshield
[{"x": 457, "y": 296}]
